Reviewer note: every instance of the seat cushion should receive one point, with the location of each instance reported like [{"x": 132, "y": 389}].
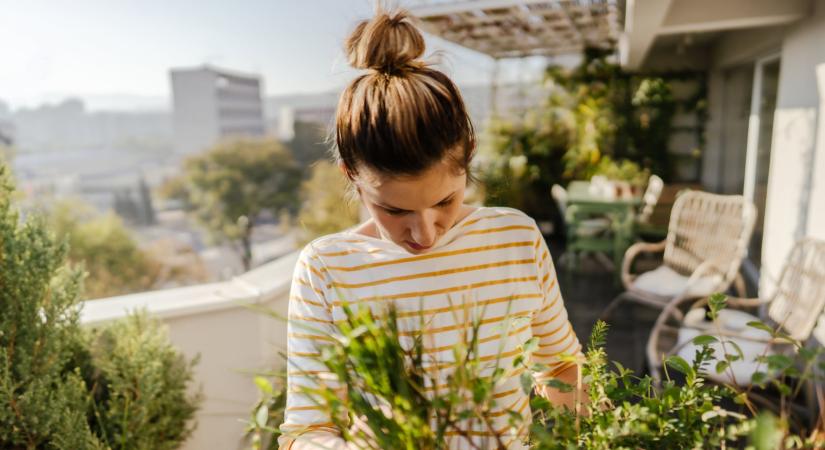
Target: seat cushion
[
  {"x": 666, "y": 282},
  {"x": 730, "y": 321}
]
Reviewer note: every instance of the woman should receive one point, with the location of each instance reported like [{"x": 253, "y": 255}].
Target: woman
[{"x": 405, "y": 142}]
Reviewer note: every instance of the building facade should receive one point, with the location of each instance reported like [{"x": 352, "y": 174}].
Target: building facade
[
  {"x": 765, "y": 62},
  {"x": 212, "y": 104}
]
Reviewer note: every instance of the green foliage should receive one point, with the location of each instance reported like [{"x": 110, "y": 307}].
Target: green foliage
[
  {"x": 46, "y": 363},
  {"x": 107, "y": 250},
  {"x": 139, "y": 386},
  {"x": 325, "y": 207},
  {"x": 42, "y": 397},
  {"x": 268, "y": 413},
  {"x": 597, "y": 120},
  {"x": 228, "y": 188},
  {"x": 620, "y": 410}
]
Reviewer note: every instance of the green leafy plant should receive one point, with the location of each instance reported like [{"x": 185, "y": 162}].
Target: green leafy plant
[
  {"x": 61, "y": 386},
  {"x": 139, "y": 386},
  {"x": 620, "y": 411},
  {"x": 597, "y": 119}
]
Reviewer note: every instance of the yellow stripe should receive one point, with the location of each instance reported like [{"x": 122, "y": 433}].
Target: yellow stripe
[
  {"x": 468, "y": 223},
  {"x": 436, "y": 273},
  {"x": 555, "y": 354},
  {"x": 559, "y": 341},
  {"x": 515, "y": 374},
  {"x": 542, "y": 336},
  {"x": 427, "y": 312},
  {"x": 304, "y": 408},
  {"x": 312, "y": 337},
  {"x": 506, "y": 393},
  {"x": 556, "y": 316},
  {"x": 309, "y": 302},
  {"x": 350, "y": 252},
  {"x": 304, "y": 354},
  {"x": 304, "y": 373},
  {"x": 498, "y": 229},
  {"x": 310, "y": 319},
  {"x": 427, "y": 256},
  {"x": 438, "y": 291},
  {"x": 552, "y": 303},
  {"x": 480, "y": 359},
  {"x": 512, "y": 406},
  {"x": 429, "y": 331},
  {"x": 304, "y": 282},
  {"x": 480, "y": 341},
  {"x": 312, "y": 269}
]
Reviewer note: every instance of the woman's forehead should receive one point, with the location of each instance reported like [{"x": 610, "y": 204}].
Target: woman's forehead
[{"x": 412, "y": 191}]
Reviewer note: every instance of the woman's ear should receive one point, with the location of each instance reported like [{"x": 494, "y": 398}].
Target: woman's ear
[{"x": 343, "y": 168}]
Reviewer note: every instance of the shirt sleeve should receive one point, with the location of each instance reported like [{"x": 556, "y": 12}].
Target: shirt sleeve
[
  {"x": 550, "y": 324},
  {"x": 310, "y": 326}
]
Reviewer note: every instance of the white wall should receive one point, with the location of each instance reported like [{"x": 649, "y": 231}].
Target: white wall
[
  {"x": 233, "y": 340},
  {"x": 796, "y": 195}
]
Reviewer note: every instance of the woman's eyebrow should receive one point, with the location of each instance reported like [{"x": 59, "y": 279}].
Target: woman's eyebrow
[{"x": 386, "y": 206}]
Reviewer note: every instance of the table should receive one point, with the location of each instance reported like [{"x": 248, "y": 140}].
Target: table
[{"x": 583, "y": 206}]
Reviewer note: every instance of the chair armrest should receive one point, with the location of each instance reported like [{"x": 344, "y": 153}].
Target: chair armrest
[{"x": 632, "y": 252}]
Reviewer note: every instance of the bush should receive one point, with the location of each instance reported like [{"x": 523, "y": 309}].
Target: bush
[
  {"x": 139, "y": 386},
  {"x": 620, "y": 410},
  {"x": 48, "y": 367}
]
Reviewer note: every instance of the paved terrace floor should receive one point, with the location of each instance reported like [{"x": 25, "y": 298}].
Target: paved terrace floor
[{"x": 586, "y": 292}]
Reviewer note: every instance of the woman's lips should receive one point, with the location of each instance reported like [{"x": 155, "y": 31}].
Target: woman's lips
[{"x": 417, "y": 247}]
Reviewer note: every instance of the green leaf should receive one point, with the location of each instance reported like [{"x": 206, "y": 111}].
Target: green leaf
[
  {"x": 526, "y": 382},
  {"x": 766, "y": 434},
  {"x": 704, "y": 340},
  {"x": 679, "y": 363},
  {"x": 262, "y": 415},
  {"x": 716, "y": 303},
  {"x": 531, "y": 345},
  {"x": 779, "y": 362},
  {"x": 759, "y": 377},
  {"x": 263, "y": 385},
  {"x": 760, "y": 326},
  {"x": 555, "y": 383},
  {"x": 722, "y": 366}
]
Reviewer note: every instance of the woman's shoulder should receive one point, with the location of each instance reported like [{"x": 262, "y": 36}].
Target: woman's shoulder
[
  {"x": 340, "y": 243},
  {"x": 501, "y": 216}
]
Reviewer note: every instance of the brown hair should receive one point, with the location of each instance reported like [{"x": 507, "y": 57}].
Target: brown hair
[{"x": 402, "y": 116}]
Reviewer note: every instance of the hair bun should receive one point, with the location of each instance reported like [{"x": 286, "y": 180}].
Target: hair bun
[{"x": 389, "y": 42}]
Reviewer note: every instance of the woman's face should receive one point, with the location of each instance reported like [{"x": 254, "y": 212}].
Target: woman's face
[{"x": 414, "y": 211}]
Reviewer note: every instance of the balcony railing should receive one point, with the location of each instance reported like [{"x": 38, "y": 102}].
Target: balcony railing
[{"x": 216, "y": 322}]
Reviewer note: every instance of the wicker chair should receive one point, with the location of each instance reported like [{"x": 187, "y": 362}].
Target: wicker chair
[
  {"x": 706, "y": 241},
  {"x": 795, "y": 306}
]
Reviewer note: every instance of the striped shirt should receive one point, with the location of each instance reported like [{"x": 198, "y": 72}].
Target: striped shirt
[{"x": 494, "y": 263}]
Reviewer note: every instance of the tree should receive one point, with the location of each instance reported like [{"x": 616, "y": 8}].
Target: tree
[
  {"x": 42, "y": 403},
  {"x": 108, "y": 251},
  {"x": 229, "y": 188},
  {"x": 65, "y": 387},
  {"x": 325, "y": 208}
]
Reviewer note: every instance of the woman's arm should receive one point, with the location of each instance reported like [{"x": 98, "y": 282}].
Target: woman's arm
[
  {"x": 307, "y": 423},
  {"x": 570, "y": 376}
]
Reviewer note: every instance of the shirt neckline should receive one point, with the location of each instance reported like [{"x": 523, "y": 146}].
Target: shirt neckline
[{"x": 445, "y": 239}]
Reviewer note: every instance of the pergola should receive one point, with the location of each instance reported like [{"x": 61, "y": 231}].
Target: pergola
[{"x": 520, "y": 28}]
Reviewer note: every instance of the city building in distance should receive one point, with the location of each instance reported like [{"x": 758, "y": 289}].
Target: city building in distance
[{"x": 211, "y": 104}]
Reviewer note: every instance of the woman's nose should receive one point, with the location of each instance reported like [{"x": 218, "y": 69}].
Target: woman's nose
[{"x": 423, "y": 229}]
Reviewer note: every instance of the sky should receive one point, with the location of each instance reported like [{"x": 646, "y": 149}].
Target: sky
[{"x": 117, "y": 53}]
